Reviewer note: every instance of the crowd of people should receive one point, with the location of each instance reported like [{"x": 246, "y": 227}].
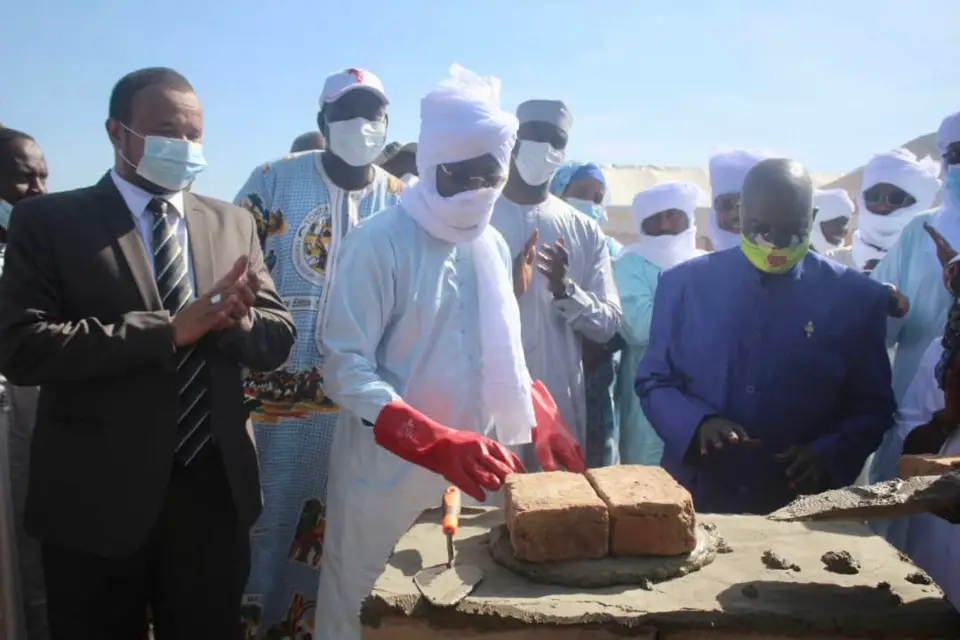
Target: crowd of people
[{"x": 217, "y": 412}]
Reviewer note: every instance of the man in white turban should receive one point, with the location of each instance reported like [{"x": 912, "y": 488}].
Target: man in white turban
[
  {"x": 666, "y": 225},
  {"x": 834, "y": 210},
  {"x": 423, "y": 352},
  {"x": 896, "y": 188},
  {"x": 572, "y": 297},
  {"x": 912, "y": 266},
  {"x": 727, "y": 171}
]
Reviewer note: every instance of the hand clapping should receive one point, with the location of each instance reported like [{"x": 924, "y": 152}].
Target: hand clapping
[{"x": 227, "y": 304}]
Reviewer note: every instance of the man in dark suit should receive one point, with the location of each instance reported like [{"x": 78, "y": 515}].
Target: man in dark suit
[{"x": 136, "y": 305}]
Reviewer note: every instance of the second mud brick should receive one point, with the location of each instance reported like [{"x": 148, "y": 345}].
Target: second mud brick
[{"x": 650, "y": 513}]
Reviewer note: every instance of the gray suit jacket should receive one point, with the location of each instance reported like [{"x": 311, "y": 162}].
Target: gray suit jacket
[{"x": 80, "y": 315}]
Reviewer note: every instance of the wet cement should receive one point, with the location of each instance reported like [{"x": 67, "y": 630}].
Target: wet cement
[
  {"x": 710, "y": 603},
  {"x": 606, "y": 572},
  {"x": 891, "y": 499}
]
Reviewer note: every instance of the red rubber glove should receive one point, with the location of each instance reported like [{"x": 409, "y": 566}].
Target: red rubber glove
[
  {"x": 552, "y": 440},
  {"x": 466, "y": 459}
]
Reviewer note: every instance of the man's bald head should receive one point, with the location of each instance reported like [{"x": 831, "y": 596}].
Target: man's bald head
[
  {"x": 776, "y": 203},
  {"x": 310, "y": 141}
]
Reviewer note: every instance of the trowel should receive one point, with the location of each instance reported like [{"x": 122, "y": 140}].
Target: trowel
[
  {"x": 445, "y": 585},
  {"x": 890, "y": 499}
]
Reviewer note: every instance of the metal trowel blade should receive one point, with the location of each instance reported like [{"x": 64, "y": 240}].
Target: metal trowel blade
[{"x": 445, "y": 586}]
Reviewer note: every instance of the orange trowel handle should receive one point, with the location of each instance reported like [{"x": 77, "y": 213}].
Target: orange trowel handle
[{"x": 451, "y": 510}]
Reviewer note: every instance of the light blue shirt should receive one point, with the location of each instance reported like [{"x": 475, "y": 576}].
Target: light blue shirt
[
  {"x": 404, "y": 323},
  {"x": 636, "y": 280},
  {"x": 137, "y": 200},
  {"x": 912, "y": 266}
]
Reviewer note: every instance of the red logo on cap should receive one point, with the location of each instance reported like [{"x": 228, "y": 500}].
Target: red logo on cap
[{"x": 356, "y": 73}]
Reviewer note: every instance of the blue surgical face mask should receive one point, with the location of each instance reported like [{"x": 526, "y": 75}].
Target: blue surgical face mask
[
  {"x": 951, "y": 185},
  {"x": 170, "y": 163},
  {"x": 5, "y": 209},
  {"x": 596, "y": 211}
]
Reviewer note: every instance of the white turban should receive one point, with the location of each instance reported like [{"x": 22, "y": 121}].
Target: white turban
[
  {"x": 727, "y": 171},
  {"x": 831, "y": 204},
  {"x": 462, "y": 119},
  {"x": 459, "y": 120},
  {"x": 877, "y": 234},
  {"x": 901, "y": 168},
  {"x": 667, "y": 250}
]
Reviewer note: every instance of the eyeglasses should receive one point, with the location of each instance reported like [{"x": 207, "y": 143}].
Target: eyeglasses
[
  {"x": 468, "y": 182},
  {"x": 889, "y": 195}
]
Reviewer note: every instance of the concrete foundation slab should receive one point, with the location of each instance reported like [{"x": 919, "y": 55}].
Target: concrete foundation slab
[{"x": 735, "y": 597}]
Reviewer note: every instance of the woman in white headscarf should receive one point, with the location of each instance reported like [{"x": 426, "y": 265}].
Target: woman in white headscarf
[
  {"x": 896, "y": 188},
  {"x": 912, "y": 267},
  {"x": 423, "y": 352},
  {"x": 834, "y": 210},
  {"x": 664, "y": 215}
]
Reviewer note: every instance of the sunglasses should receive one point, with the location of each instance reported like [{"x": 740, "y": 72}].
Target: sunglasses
[
  {"x": 468, "y": 182},
  {"x": 888, "y": 195},
  {"x": 952, "y": 156}
]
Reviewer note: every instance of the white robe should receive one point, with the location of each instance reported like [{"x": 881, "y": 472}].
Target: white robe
[
  {"x": 403, "y": 322},
  {"x": 934, "y": 543},
  {"x": 553, "y": 330}
]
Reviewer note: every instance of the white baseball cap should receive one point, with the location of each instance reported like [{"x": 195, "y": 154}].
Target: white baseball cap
[{"x": 339, "y": 84}]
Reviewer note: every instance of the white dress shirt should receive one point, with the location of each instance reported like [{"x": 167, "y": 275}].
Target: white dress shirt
[{"x": 137, "y": 200}]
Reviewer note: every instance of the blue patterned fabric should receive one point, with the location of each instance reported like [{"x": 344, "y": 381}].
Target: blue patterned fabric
[{"x": 301, "y": 215}]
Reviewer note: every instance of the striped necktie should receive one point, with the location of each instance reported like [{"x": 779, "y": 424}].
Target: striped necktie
[{"x": 173, "y": 284}]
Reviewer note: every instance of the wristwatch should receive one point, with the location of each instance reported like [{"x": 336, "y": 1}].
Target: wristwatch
[{"x": 568, "y": 289}]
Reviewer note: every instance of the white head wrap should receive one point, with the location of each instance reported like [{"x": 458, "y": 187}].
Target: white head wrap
[
  {"x": 831, "y": 204},
  {"x": 459, "y": 120},
  {"x": 947, "y": 219},
  {"x": 727, "y": 171},
  {"x": 949, "y": 132},
  {"x": 875, "y": 234},
  {"x": 668, "y": 250}
]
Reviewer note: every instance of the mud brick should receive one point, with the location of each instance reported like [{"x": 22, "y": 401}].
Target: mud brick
[
  {"x": 650, "y": 513},
  {"x": 555, "y": 517}
]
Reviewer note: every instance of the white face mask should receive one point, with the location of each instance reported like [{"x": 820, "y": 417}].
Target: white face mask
[
  {"x": 460, "y": 218},
  {"x": 357, "y": 141},
  {"x": 466, "y": 214},
  {"x": 536, "y": 162}
]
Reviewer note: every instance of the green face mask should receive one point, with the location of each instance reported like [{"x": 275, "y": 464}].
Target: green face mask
[{"x": 770, "y": 259}]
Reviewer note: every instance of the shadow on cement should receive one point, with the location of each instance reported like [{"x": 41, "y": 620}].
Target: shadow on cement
[
  {"x": 821, "y": 607},
  {"x": 408, "y": 561},
  {"x": 858, "y": 529}
]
